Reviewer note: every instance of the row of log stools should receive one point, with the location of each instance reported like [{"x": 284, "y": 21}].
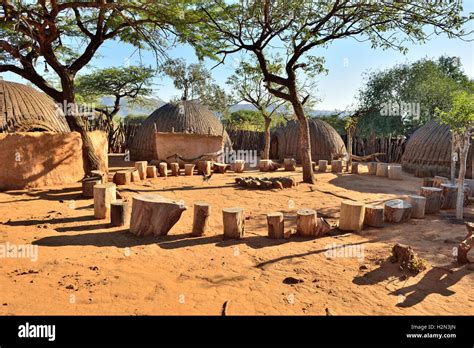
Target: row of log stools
[{"x": 392, "y": 171}]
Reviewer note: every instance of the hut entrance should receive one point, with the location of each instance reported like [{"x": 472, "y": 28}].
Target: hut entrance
[{"x": 274, "y": 147}]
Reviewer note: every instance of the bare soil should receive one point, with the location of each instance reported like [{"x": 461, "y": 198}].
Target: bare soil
[{"x": 86, "y": 267}]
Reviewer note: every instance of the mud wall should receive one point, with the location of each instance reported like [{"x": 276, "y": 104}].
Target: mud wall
[
  {"x": 188, "y": 146},
  {"x": 37, "y": 159}
]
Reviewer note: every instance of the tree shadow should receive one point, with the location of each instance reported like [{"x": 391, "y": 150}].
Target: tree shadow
[
  {"x": 50, "y": 221},
  {"x": 384, "y": 272}
]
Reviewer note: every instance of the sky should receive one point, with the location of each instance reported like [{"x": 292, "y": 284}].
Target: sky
[{"x": 347, "y": 61}]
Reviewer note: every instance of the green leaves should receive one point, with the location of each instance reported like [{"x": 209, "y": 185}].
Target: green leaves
[{"x": 460, "y": 117}]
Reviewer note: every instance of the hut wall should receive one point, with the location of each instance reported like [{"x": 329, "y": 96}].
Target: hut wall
[
  {"x": 187, "y": 146},
  {"x": 37, "y": 159}
]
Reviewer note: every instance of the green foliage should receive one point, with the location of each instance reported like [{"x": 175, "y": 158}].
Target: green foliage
[
  {"x": 336, "y": 121},
  {"x": 252, "y": 120},
  {"x": 134, "y": 119},
  {"x": 460, "y": 117}
]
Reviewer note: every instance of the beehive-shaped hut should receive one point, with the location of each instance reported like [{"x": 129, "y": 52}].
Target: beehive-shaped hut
[
  {"x": 24, "y": 109},
  {"x": 184, "y": 131},
  {"x": 325, "y": 141},
  {"x": 429, "y": 150}
]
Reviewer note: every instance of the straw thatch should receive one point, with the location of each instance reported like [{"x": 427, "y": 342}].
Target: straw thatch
[
  {"x": 24, "y": 109},
  {"x": 325, "y": 141},
  {"x": 188, "y": 117},
  {"x": 429, "y": 150}
]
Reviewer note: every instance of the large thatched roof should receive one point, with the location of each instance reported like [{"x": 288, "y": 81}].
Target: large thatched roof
[
  {"x": 325, "y": 141},
  {"x": 23, "y": 109},
  {"x": 180, "y": 117},
  {"x": 429, "y": 148}
]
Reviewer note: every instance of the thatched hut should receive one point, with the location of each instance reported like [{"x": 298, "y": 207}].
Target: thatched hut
[
  {"x": 37, "y": 147},
  {"x": 184, "y": 131},
  {"x": 429, "y": 151},
  {"x": 24, "y": 109},
  {"x": 325, "y": 141}
]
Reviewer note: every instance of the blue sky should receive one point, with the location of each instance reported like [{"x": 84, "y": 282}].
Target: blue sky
[{"x": 347, "y": 60}]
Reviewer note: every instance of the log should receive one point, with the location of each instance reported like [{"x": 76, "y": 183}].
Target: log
[
  {"x": 122, "y": 177},
  {"x": 372, "y": 168},
  {"x": 323, "y": 227},
  {"x": 276, "y": 225},
  {"x": 322, "y": 165},
  {"x": 202, "y": 211},
  {"x": 119, "y": 213},
  {"x": 88, "y": 186},
  {"x": 238, "y": 166},
  {"x": 306, "y": 222},
  {"x": 175, "y": 169},
  {"x": 374, "y": 216},
  {"x": 154, "y": 214},
  {"x": 433, "y": 199},
  {"x": 438, "y": 180},
  {"x": 355, "y": 168},
  {"x": 220, "y": 168},
  {"x": 189, "y": 169},
  {"x": 289, "y": 164},
  {"x": 99, "y": 173},
  {"x": 465, "y": 246},
  {"x": 395, "y": 172},
  {"x": 428, "y": 182},
  {"x": 418, "y": 204},
  {"x": 151, "y": 172},
  {"x": 382, "y": 169},
  {"x": 352, "y": 216},
  {"x": 104, "y": 195},
  {"x": 449, "y": 195},
  {"x": 204, "y": 168},
  {"x": 407, "y": 258},
  {"x": 135, "y": 175},
  {"x": 268, "y": 166},
  {"x": 336, "y": 166},
  {"x": 234, "y": 222},
  {"x": 397, "y": 210},
  {"x": 141, "y": 167},
  {"x": 163, "y": 168}
]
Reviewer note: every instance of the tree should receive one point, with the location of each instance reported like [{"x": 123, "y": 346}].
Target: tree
[
  {"x": 248, "y": 85},
  {"x": 68, "y": 34},
  {"x": 460, "y": 119},
  {"x": 132, "y": 83},
  {"x": 196, "y": 82},
  {"x": 301, "y": 25}
]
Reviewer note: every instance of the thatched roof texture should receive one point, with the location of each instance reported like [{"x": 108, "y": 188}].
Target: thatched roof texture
[
  {"x": 325, "y": 141},
  {"x": 429, "y": 149},
  {"x": 185, "y": 117},
  {"x": 24, "y": 109}
]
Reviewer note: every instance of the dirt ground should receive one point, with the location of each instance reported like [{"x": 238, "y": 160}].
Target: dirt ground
[{"x": 86, "y": 267}]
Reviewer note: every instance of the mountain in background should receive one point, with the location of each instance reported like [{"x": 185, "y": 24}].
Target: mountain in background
[
  {"x": 313, "y": 113},
  {"x": 146, "y": 107}
]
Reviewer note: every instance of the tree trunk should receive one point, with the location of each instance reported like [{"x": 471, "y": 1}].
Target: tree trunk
[
  {"x": 349, "y": 149},
  {"x": 266, "y": 149},
  {"x": 304, "y": 143},
  {"x": 463, "y": 151},
  {"x": 453, "y": 163}
]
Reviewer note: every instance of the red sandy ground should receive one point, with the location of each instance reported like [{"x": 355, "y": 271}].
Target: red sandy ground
[{"x": 110, "y": 271}]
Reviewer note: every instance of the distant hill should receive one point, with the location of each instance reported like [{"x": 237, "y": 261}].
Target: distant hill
[
  {"x": 150, "y": 105},
  {"x": 313, "y": 113}
]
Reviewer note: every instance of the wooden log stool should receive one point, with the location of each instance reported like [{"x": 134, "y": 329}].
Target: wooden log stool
[
  {"x": 394, "y": 172},
  {"x": 355, "y": 168},
  {"x": 100, "y": 174},
  {"x": 428, "y": 182},
  {"x": 141, "y": 167},
  {"x": 276, "y": 225},
  {"x": 163, "y": 168},
  {"x": 397, "y": 210},
  {"x": 238, "y": 166},
  {"x": 306, "y": 222},
  {"x": 122, "y": 177},
  {"x": 151, "y": 172},
  {"x": 336, "y": 166},
  {"x": 202, "y": 211},
  {"x": 418, "y": 204},
  {"x": 439, "y": 180},
  {"x": 220, "y": 168},
  {"x": 352, "y": 216},
  {"x": 382, "y": 169},
  {"x": 289, "y": 164},
  {"x": 322, "y": 165},
  {"x": 135, "y": 175},
  {"x": 372, "y": 168},
  {"x": 234, "y": 222},
  {"x": 374, "y": 216},
  {"x": 104, "y": 195},
  {"x": 204, "y": 168},
  {"x": 88, "y": 186},
  {"x": 154, "y": 214},
  {"x": 119, "y": 213},
  {"x": 175, "y": 169},
  {"x": 189, "y": 169},
  {"x": 449, "y": 195},
  {"x": 433, "y": 199}
]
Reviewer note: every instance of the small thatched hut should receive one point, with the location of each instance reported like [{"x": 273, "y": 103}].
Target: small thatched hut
[
  {"x": 325, "y": 141},
  {"x": 24, "y": 109},
  {"x": 184, "y": 131},
  {"x": 429, "y": 150}
]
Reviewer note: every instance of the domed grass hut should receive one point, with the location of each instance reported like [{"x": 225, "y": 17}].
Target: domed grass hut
[
  {"x": 326, "y": 142},
  {"x": 428, "y": 152},
  {"x": 184, "y": 131},
  {"x": 37, "y": 147}
]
